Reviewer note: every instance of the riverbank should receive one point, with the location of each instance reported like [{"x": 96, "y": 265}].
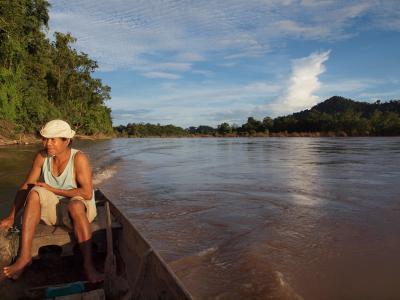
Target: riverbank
[
  {"x": 23, "y": 139},
  {"x": 256, "y": 135},
  {"x": 28, "y": 139}
]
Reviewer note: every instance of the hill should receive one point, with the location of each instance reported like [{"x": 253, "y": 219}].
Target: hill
[
  {"x": 344, "y": 116},
  {"x": 339, "y": 104}
]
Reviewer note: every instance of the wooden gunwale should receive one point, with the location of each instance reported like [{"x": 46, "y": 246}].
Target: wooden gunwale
[{"x": 130, "y": 243}]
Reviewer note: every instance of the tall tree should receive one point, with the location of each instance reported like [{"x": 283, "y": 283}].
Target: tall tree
[{"x": 41, "y": 80}]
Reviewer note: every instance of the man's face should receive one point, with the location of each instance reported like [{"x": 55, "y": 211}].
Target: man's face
[{"x": 55, "y": 146}]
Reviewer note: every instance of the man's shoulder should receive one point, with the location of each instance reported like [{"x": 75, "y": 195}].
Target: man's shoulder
[
  {"x": 41, "y": 155},
  {"x": 80, "y": 157},
  {"x": 39, "y": 158},
  {"x": 79, "y": 154}
]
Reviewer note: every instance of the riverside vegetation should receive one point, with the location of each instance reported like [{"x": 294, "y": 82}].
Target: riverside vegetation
[
  {"x": 336, "y": 116},
  {"x": 42, "y": 80}
]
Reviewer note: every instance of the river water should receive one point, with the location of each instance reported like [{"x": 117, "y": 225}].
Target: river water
[{"x": 249, "y": 218}]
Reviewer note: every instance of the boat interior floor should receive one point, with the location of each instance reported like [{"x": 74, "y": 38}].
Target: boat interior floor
[{"x": 50, "y": 269}]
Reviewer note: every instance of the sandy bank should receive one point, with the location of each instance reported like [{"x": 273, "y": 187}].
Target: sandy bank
[
  {"x": 23, "y": 139},
  {"x": 27, "y": 139}
]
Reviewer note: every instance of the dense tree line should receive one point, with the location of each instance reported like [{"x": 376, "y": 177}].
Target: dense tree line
[
  {"x": 149, "y": 130},
  {"x": 42, "y": 79},
  {"x": 202, "y": 130},
  {"x": 335, "y": 116}
]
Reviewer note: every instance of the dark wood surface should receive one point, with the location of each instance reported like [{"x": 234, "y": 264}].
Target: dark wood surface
[
  {"x": 64, "y": 237},
  {"x": 141, "y": 273}
]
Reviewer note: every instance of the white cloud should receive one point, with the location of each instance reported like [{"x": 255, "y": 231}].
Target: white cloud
[
  {"x": 189, "y": 56},
  {"x": 370, "y": 96},
  {"x": 167, "y": 70},
  {"x": 304, "y": 81},
  {"x": 194, "y": 105},
  {"x": 170, "y": 40},
  {"x": 177, "y": 66},
  {"x": 296, "y": 29},
  {"x": 203, "y": 72},
  {"x": 195, "y": 96},
  {"x": 347, "y": 86},
  {"x": 228, "y": 64},
  {"x": 121, "y": 34},
  {"x": 388, "y": 16},
  {"x": 163, "y": 75},
  {"x": 316, "y": 2},
  {"x": 301, "y": 87}
]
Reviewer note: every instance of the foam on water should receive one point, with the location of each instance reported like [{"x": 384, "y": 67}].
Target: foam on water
[{"x": 106, "y": 173}]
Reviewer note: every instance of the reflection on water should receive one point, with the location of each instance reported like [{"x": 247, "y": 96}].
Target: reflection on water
[
  {"x": 15, "y": 161},
  {"x": 276, "y": 218}
]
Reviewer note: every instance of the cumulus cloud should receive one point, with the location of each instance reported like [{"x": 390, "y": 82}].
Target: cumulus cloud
[
  {"x": 301, "y": 86},
  {"x": 304, "y": 81}
]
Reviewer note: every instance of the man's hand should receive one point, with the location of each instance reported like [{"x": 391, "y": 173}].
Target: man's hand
[
  {"x": 43, "y": 185},
  {"x": 6, "y": 223},
  {"x": 49, "y": 188}
]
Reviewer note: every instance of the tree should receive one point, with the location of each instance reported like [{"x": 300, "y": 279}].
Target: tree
[
  {"x": 41, "y": 80},
  {"x": 268, "y": 123},
  {"x": 224, "y": 128}
]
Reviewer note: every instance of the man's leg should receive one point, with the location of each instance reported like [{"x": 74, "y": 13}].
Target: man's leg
[
  {"x": 83, "y": 233},
  {"x": 30, "y": 219}
]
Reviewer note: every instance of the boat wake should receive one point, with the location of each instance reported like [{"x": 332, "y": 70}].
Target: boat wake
[
  {"x": 215, "y": 269},
  {"x": 104, "y": 173}
]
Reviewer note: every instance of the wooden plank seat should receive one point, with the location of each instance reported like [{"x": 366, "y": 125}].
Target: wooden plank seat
[{"x": 64, "y": 237}]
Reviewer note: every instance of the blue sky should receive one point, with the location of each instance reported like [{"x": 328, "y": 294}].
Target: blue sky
[{"x": 207, "y": 62}]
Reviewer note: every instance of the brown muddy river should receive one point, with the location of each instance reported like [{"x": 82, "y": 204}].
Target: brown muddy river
[{"x": 276, "y": 218}]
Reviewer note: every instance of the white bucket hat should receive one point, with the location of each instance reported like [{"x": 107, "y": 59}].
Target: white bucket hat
[{"x": 57, "y": 128}]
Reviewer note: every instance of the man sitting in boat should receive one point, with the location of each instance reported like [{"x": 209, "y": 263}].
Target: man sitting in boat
[{"x": 61, "y": 181}]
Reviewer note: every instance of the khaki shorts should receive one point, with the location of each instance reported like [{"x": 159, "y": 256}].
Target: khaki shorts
[{"x": 54, "y": 211}]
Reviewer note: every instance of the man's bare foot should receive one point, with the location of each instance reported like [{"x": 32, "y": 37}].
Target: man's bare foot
[
  {"x": 15, "y": 270},
  {"x": 93, "y": 276}
]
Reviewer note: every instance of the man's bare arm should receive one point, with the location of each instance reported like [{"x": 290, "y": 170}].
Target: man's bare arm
[{"x": 83, "y": 176}]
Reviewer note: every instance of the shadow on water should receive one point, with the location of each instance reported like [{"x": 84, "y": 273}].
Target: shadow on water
[{"x": 15, "y": 162}]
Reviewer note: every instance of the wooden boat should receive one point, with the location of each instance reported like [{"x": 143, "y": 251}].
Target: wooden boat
[{"x": 133, "y": 269}]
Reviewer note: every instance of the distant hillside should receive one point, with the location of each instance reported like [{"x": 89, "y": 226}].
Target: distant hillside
[
  {"x": 336, "y": 116},
  {"x": 339, "y": 104},
  {"x": 344, "y": 116}
]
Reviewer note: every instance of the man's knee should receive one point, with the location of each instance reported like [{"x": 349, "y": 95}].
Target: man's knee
[
  {"x": 76, "y": 208},
  {"x": 33, "y": 196}
]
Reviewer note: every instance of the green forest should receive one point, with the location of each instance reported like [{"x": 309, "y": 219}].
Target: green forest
[
  {"x": 43, "y": 79},
  {"x": 336, "y": 116}
]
